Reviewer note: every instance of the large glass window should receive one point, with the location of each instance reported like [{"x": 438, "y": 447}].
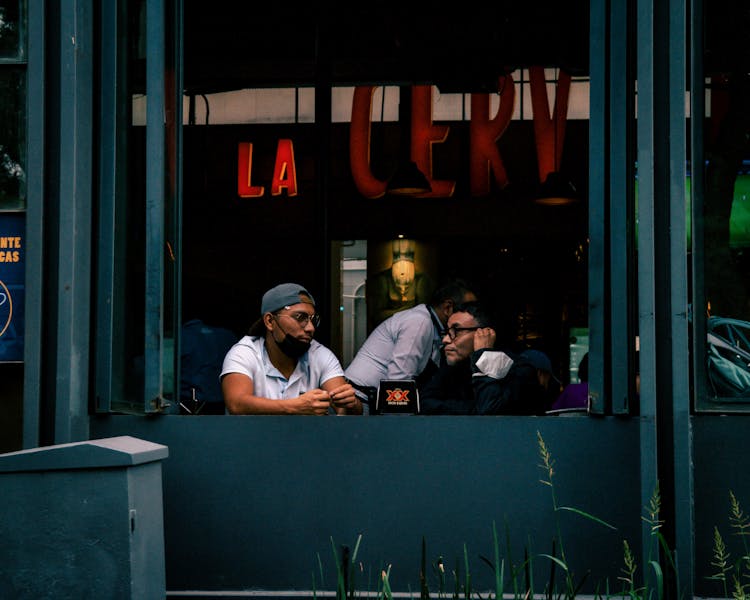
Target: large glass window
[
  {"x": 138, "y": 216},
  {"x": 277, "y": 186},
  {"x": 723, "y": 211},
  {"x": 12, "y": 106}
]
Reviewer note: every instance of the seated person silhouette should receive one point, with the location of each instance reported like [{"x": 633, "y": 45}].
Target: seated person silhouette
[{"x": 576, "y": 395}]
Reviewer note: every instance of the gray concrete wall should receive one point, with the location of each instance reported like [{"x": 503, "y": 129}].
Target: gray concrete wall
[
  {"x": 83, "y": 520},
  {"x": 251, "y": 502}
]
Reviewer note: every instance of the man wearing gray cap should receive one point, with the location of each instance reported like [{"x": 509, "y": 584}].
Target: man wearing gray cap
[{"x": 279, "y": 369}]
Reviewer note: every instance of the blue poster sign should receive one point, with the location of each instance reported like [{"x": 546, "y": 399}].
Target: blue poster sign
[{"x": 12, "y": 262}]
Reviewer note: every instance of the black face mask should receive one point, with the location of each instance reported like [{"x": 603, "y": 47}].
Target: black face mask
[{"x": 291, "y": 346}]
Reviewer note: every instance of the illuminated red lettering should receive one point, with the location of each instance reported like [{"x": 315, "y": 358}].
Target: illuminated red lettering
[
  {"x": 245, "y": 188},
  {"x": 359, "y": 144},
  {"x": 484, "y": 132},
  {"x": 549, "y": 133},
  {"x": 284, "y": 171},
  {"x": 423, "y": 135}
]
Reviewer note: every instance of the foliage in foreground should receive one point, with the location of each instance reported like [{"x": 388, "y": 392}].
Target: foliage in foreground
[{"x": 517, "y": 580}]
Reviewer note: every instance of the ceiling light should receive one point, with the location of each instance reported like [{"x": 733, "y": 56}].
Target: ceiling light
[
  {"x": 408, "y": 180},
  {"x": 557, "y": 190}
]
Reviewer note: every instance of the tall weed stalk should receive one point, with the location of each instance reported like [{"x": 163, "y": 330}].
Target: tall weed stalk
[
  {"x": 571, "y": 586},
  {"x": 733, "y": 574}
]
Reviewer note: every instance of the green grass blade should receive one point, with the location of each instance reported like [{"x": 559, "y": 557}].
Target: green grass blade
[
  {"x": 499, "y": 565},
  {"x": 659, "y": 578},
  {"x": 387, "y": 593},
  {"x": 320, "y": 568},
  {"x": 665, "y": 547},
  {"x": 554, "y": 559},
  {"x": 467, "y": 584},
  {"x": 340, "y": 584},
  {"x": 588, "y": 516},
  {"x": 356, "y": 548},
  {"x": 424, "y": 592},
  {"x": 580, "y": 584}
]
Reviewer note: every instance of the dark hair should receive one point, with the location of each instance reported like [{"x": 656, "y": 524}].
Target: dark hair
[
  {"x": 454, "y": 290},
  {"x": 583, "y": 368},
  {"x": 257, "y": 329},
  {"x": 476, "y": 310}
]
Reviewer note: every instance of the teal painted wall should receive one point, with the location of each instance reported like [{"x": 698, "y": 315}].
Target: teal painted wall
[
  {"x": 249, "y": 502},
  {"x": 720, "y": 463}
]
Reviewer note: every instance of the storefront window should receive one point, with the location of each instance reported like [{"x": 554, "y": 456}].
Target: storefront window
[
  {"x": 12, "y": 138},
  {"x": 12, "y": 106},
  {"x": 138, "y": 253},
  {"x": 724, "y": 306},
  {"x": 267, "y": 182}
]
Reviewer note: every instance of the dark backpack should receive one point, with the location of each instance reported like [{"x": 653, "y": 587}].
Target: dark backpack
[
  {"x": 203, "y": 348},
  {"x": 518, "y": 393}
]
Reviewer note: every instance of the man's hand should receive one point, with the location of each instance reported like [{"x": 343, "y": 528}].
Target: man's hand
[
  {"x": 484, "y": 338},
  {"x": 343, "y": 397},
  {"x": 314, "y": 402}
]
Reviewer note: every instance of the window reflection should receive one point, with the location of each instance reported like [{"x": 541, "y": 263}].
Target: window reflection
[
  {"x": 726, "y": 191},
  {"x": 10, "y": 29},
  {"x": 12, "y": 139}
]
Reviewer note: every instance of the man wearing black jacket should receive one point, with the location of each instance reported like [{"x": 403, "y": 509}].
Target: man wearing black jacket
[
  {"x": 476, "y": 379},
  {"x": 450, "y": 390}
]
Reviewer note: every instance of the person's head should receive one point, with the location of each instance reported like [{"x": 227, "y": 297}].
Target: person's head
[
  {"x": 447, "y": 297},
  {"x": 541, "y": 362},
  {"x": 288, "y": 319},
  {"x": 583, "y": 368},
  {"x": 458, "y": 340}
]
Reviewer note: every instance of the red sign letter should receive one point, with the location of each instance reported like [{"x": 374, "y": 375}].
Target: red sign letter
[
  {"x": 548, "y": 132},
  {"x": 245, "y": 189},
  {"x": 423, "y": 135},
  {"x": 359, "y": 144},
  {"x": 284, "y": 172},
  {"x": 484, "y": 133}
]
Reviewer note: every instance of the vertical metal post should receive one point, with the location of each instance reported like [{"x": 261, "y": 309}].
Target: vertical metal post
[
  {"x": 110, "y": 149},
  {"x": 597, "y": 299},
  {"x": 646, "y": 264},
  {"x": 620, "y": 189},
  {"x": 36, "y": 109},
  {"x": 178, "y": 21},
  {"x": 155, "y": 189},
  {"x": 663, "y": 299},
  {"x": 322, "y": 165},
  {"x": 72, "y": 256},
  {"x": 673, "y": 230}
]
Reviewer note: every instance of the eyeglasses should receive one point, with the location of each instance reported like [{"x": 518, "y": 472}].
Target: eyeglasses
[
  {"x": 303, "y": 318},
  {"x": 453, "y": 332}
]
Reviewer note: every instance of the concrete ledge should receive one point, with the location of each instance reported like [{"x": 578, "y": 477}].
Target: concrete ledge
[{"x": 122, "y": 451}]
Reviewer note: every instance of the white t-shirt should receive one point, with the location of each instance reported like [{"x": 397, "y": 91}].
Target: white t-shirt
[{"x": 249, "y": 357}]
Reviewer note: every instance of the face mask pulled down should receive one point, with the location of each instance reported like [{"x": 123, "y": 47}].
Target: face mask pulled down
[{"x": 292, "y": 347}]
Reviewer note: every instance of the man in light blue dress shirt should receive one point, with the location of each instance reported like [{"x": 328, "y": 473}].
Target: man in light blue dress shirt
[{"x": 407, "y": 345}]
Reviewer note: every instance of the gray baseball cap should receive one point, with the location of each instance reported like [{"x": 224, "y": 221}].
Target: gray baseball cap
[{"x": 284, "y": 294}]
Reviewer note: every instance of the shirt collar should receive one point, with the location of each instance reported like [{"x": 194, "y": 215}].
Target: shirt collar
[{"x": 439, "y": 328}]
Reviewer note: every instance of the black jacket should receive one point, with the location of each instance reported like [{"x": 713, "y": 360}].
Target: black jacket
[
  {"x": 449, "y": 391},
  {"x": 463, "y": 390}
]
